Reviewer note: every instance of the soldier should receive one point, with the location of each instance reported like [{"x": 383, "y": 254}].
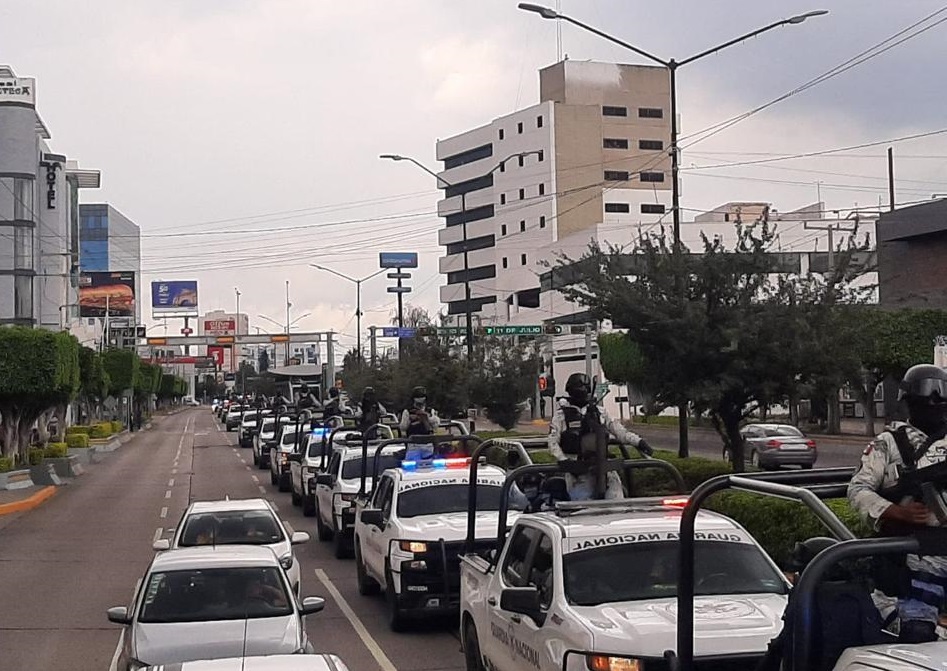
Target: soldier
[
  {"x": 417, "y": 420},
  {"x": 371, "y": 411},
  {"x": 904, "y": 447}
]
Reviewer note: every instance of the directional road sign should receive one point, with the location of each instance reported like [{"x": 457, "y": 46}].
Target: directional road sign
[
  {"x": 399, "y": 290},
  {"x": 395, "y": 332}
]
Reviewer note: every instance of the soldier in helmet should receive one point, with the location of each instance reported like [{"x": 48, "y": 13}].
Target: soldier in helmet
[
  {"x": 335, "y": 406},
  {"x": 370, "y": 410},
  {"x": 417, "y": 420},
  {"x": 903, "y": 447},
  {"x": 574, "y": 430}
]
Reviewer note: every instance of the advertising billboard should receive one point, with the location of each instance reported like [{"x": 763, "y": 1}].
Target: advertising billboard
[
  {"x": 220, "y": 327},
  {"x": 175, "y": 297},
  {"x": 112, "y": 290},
  {"x": 398, "y": 259}
]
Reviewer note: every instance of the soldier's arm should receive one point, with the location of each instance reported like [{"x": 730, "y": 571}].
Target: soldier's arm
[
  {"x": 556, "y": 426},
  {"x": 867, "y": 481},
  {"x": 405, "y": 420},
  {"x": 617, "y": 429}
]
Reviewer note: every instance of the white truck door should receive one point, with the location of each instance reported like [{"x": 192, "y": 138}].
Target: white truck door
[{"x": 502, "y": 642}]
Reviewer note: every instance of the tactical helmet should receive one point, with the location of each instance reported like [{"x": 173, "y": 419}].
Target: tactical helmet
[
  {"x": 924, "y": 381},
  {"x": 805, "y": 551},
  {"x": 333, "y": 392},
  {"x": 419, "y": 392},
  {"x": 368, "y": 394},
  {"x": 579, "y": 388}
]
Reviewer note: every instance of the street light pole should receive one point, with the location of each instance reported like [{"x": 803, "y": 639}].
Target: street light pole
[
  {"x": 288, "y": 306},
  {"x": 468, "y": 309},
  {"x": 358, "y": 298}
]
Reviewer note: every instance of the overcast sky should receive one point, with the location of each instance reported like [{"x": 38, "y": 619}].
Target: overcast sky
[{"x": 242, "y": 115}]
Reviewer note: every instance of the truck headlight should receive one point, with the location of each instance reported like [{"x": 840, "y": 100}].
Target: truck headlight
[
  {"x": 606, "y": 663},
  {"x": 348, "y": 498},
  {"x": 416, "y": 547},
  {"x": 286, "y": 561}
]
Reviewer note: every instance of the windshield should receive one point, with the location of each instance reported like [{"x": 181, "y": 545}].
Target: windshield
[
  {"x": 790, "y": 431},
  {"x": 289, "y": 438},
  {"x": 604, "y": 575},
  {"x": 249, "y": 415},
  {"x": 237, "y": 527},
  {"x": 442, "y": 499},
  {"x": 352, "y": 468},
  {"x": 268, "y": 425},
  {"x": 316, "y": 444},
  {"x": 214, "y": 594}
]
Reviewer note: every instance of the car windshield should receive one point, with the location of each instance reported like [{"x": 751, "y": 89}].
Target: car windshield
[
  {"x": 268, "y": 425},
  {"x": 602, "y": 575},
  {"x": 352, "y": 468},
  {"x": 317, "y": 444},
  {"x": 289, "y": 438},
  {"x": 442, "y": 499},
  {"x": 236, "y": 527},
  {"x": 249, "y": 415},
  {"x": 785, "y": 431},
  {"x": 214, "y": 594}
]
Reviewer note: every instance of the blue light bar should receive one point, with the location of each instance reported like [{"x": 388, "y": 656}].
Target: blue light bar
[{"x": 409, "y": 465}]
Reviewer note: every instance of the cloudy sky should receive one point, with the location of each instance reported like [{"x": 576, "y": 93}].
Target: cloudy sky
[{"x": 259, "y": 122}]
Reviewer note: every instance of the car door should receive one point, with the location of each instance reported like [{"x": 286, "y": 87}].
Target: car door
[
  {"x": 752, "y": 441},
  {"x": 324, "y": 492},
  {"x": 500, "y": 643},
  {"x": 535, "y": 647},
  {"x": 377, "y": 540}
]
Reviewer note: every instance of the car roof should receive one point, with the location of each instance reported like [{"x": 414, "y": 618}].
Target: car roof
[
  {"x": 642, "y": 516},
  {"x": 443, "y": 473},
  {"x": 229, "y": 505},
  {"x": 214, "y": 556},
  {"x": 771, "y": 425},
  {"x": 264, "y": 663}
]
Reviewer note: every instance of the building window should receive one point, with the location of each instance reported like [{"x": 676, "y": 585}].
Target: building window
[
  {"x": 23, "y": 297},
  {"x": 472, "y": 214},
  {"x": 506, "y": 262},
  {"x": 16, "y": 199},
  {"x": 542, "y": 155},
  {"x": 651, "y": 145},
  {"x": 617, "y": 176},
  {"x": 473, "y": 244},
  {"x": 22, "y": 248},
  {"x": 522, "y": 259},
  {"x": 475, "y": 184},
  {"x": 469, "y": 156},
  {"x": 622, "y": 208},
  {"x": 539, "y": 121},
  {"x": 503, "y": 166},
  {"x": 502, "y": 199},
  {"x": 652, "y": 208},
  {"x": 522, "y": 160},
  {"x": 522, "y": 194},
  {"x": 652, "y": 177},
  {"x": 519, "y": 128},
  {"x": 615, "y": 143},
  {"x": 501, "y": 133},
  {"x": 650, "y": 113},
  {"x": 609, "y": 110},
  {"x": 542, "y": 222},
  {"x": 502, "y": 230},
  {"x": 523, "y": 226},
  {"x": 542, "y": 189}
]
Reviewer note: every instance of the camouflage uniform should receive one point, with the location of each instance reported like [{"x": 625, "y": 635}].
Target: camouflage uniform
[
  {"x": 878, "y": 471},
  {"x": 580, "y": 487}
]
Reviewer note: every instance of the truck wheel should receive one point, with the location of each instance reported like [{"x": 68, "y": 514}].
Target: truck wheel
[
  {"x": 472, "y": 656},
  {"x": 343, "y": 547},
  {"x": 397, "y": 620},
  {"x": 323, "y": 532},
  {"x": 296, "y": 498},
  {"x": 256, "y": 459},
  {"x": 273, "y": 479},
  {"x": 283, "y": 483},
  {"x": 367, "y": 586},
  {"x": 309, "y": 505}
]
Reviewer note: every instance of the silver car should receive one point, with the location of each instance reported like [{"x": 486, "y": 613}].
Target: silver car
[
  {"x": 210, "y": 603},
  {"x": 266, "y": 663}
]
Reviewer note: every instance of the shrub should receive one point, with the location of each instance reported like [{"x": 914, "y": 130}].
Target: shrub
[
  {"x": 72, "y": 430},
  {"x": 77, "y": 440},
  {"x": 56, "y": 450},
  {"x": 102, "y": 430},
  {"x": 6, "y": 464},
  {"x": 117, "y": 426},
  {"x": 36, "y": 456}
]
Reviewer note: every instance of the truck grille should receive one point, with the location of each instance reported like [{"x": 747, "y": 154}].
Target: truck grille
[{"x": 452, "y": 551}]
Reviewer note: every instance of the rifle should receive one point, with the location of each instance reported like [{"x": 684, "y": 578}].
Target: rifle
[{"x": 924, "y": 484}]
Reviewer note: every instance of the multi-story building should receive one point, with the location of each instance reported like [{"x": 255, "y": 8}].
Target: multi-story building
[
  {"x": 598, "y": 160},
  {"x": 39, "y": 215},
  {"x": 110, "y": 242}
]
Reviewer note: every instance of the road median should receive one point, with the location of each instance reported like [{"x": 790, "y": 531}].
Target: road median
[{"x": 34, "y": 500}]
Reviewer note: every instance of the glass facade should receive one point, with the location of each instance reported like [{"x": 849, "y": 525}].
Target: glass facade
[{"x": 93, "y": 242}]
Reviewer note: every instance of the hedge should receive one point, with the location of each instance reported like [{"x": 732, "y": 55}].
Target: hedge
[
  {"x": 77, "y": 440},
  {"x": 36, "y": 456},
  {"x": 78, "y": 429},
  {"x": 117, "y": 426},
  {"x": 56, "y": 451},
  {"x": 6, "y": 464},
  {"x": 101, "y": 430}
]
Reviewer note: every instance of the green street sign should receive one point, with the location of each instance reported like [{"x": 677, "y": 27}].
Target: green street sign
[{"x": 513, "y": 330}]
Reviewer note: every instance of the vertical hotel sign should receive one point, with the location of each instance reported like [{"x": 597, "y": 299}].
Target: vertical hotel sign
[{"x": 18, "y": 90}]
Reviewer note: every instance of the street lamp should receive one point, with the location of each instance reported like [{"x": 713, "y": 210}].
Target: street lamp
[
  {"x": 358, "y": 298},
  {"x": 463, "y": 212},
  {"x": 286, "y": 327},
  {"x": 672, "y": 66}
]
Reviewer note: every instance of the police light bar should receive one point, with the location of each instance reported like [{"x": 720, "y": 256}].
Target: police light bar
[
  {"x": 411, "y": 465},
  {"x": 675, "y": 502},
  {"x": 319, "y": 432}
]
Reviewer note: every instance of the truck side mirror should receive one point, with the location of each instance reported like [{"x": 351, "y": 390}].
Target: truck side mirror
[
  {"x": 373, "y": 517},
  {"x": 324, "y": 479},
  {"x": 522, "y": 600}
]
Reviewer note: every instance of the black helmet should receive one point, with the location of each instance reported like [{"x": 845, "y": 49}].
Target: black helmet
[
  {"x": 579, "y": 388},
  {"x": 419, "y": 392},
  {"x": 805, "y": 551},
  {"x": 333, "y": 392},
  {"x": 368, "y": 394},
  {"x": 304, "y": 388},
  {"x": 924, "y": 381}
]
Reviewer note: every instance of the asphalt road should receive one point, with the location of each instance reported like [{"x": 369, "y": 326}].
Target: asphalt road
[{"x": 63, "y": 564}]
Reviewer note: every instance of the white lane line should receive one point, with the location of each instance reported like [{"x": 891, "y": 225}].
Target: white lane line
[
  {"x": 174, "y": 471},
  {"x": 247, "y": 467},
  {"x": 167, "y": 494},
  {"x": 242, "y": 460},
  {"x": 262, "y": 489},
  {"x": 356, "y": 623},
  {"x": 164, "y": 512},
  {"x": 255, "y": 479},
  {"x": 171, "y": 482},
  {"x": 275, "y": 506},
  {"x": 158, "y": 533}
]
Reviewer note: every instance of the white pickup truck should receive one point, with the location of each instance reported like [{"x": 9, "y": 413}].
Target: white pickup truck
[{"x": 592, "y": 585}]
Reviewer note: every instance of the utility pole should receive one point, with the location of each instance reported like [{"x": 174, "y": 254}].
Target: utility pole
[
  {"x": 288, "y": 306},
  {"x": 891, "y": 178},
  {"x": 830, "y": 232},
  {"x": 330, "y": 360},
  {"x": 373, "y": 347},
  {"x": 588, "y": 351}
]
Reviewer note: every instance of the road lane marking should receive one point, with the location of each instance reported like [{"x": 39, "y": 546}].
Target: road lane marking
[
  {"x": 167, "y": 494},
  {"x": 262, "y": 489},
  {"x": 164, "y": 512},
  {"x": 247, "y": 467},
  {"x": 356, "y": 623},
  {"x": 158, "y": 533},
  {"x": 171, "y": 482},
  {"x": 255, "y": 479},
  {"x": 275, "y": 506},
  {"x": 174, "y": 471}
]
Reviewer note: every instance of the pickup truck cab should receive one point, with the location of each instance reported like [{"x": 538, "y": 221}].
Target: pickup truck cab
[
  {"x": 232, "y": 420},
  {"x": 280, "y": 449},
  {"x": 305, "y": 464},
  {"x": 410, "y": 534},
  {"x": 338, "y": 487},
  {"x": 264, "y": 437},
  {"x": 593, "y": 585},
  {"x": 248, "y": 424}
]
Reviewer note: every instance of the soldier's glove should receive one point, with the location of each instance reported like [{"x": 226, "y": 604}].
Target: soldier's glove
[{"x": 645, "y": 448}]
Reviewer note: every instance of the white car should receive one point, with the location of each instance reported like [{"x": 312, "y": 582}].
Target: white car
[
  {"x": 233, "y": 417},
  {"x": 212, "y": 602},
  {"x": 594, "y": 586},
  {"x": 337, "y": 488},
  {"x": 410, "y": 535},
  {"x": 264, "y": 663},
  {"x": 247, "y": 427},
  {"x": 262, "y": 440},
  {"x": 895, "y": 657},
  {"x": 238, "y": 522}
]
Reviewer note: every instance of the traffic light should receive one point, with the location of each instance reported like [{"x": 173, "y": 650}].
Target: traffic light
[
  {"x": 547, "y": 385},
  {"x": 552, "y": 329},
  {"x": 426, "y": 331}
]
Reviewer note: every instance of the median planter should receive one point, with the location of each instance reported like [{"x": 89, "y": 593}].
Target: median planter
[
  {"x": 66, "y": 467},
  {"x": 85, "y": 455},
  {"x": 106, "y": 444},
  {"x": 44, "y": 474},
  {"x": 18, "y": 479}
]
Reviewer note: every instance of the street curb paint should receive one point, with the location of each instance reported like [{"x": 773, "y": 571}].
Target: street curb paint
[{"x": 29, "y": 503}]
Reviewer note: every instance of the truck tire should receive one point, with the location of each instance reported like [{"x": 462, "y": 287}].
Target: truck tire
[
  {"x": 343, "y": 547},
  {"x": 473, "y": 658},
  {"x": 283, "y": 483},
  {"x": 309, "y": 505},
  {"x": 397, "y": 620},
  {"x": 295, "y": 498},
  {"x": 273, "y": 479},
  {"x": 323, "y": 532},
  {"x": 367, "y": 585},
  {"x": 256, "y": 459}
]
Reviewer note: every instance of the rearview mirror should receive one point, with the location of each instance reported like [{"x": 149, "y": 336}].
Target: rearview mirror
[
  {"x": 118, "y": 615},
  {"x": 299, "y": 537},
  {"x": 521, "y": 600},
  {"x": 372, "y": 517},
  {"x": 324, "y": 479},
  {"x": 161, "y": 545},
  {"x": 312, "y": 604}
]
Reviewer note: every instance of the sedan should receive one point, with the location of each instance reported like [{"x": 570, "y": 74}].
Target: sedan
[
  {"x": 237, "y": 522},
  {"x": 211, "y": 603},
  {"x": 267, "y": 663},
  {"x": 771, "y": 446}
]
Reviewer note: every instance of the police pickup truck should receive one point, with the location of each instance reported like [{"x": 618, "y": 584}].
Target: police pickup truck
[
  {"x": 264, "y": 437},
  {"x": 249, "y": 423}
]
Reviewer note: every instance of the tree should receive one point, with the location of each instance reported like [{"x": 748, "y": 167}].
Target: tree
[
  {"x": 504, "y": 379},
  {"x": 122, "y": 368},
  {"x": 621, "y": 360},
  {"x": 93, "y": 383},
  {"x": 718, "y": 328}
]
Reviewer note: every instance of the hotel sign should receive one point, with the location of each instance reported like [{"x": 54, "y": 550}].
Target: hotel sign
[{"x": 18, "y": 89}]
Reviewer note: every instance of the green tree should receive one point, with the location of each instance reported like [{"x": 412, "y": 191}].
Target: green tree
[
  {"x": 504, "y": 379},
  {"x": 93, "y": 383},
  {"x": 122, "y": 368}
]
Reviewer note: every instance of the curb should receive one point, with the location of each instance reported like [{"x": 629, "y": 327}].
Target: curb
[{"x": 28, "y": 503}]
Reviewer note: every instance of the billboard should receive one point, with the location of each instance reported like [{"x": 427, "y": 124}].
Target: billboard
[
  {"x": 398, "y": 259},
  {"x": 175, "y": 297},
  {"x": 115, "y": 290},
  {"x": 18, "y": 89},
  {"x": 220, "y": 327}
]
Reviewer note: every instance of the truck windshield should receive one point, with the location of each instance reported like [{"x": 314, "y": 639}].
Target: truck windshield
[
  {"x": 602, "y": 575},
  {"x": 443, "y": 499},
  {"x": 352, "y": 468}
]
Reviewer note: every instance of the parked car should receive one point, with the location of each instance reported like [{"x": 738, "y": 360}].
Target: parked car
[
  {"x": 212, "y": 602},
  {"x": 322, "y": 662},
  {"x": 771, "y": 446}
]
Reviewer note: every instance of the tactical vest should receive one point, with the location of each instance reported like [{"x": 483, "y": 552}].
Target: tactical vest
[
  {"x": 415, "y": 426},
  {"x": 577, "y": 426}
]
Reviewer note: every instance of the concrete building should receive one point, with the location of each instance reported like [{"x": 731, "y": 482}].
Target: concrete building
[
  {"x": 39, "y": 217},
  {"x": 223, "y": 323},
  {"x": 598, "y": 136},
  {"x": 910, "y": 241},
  {"x": 110, "y": 241}
]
